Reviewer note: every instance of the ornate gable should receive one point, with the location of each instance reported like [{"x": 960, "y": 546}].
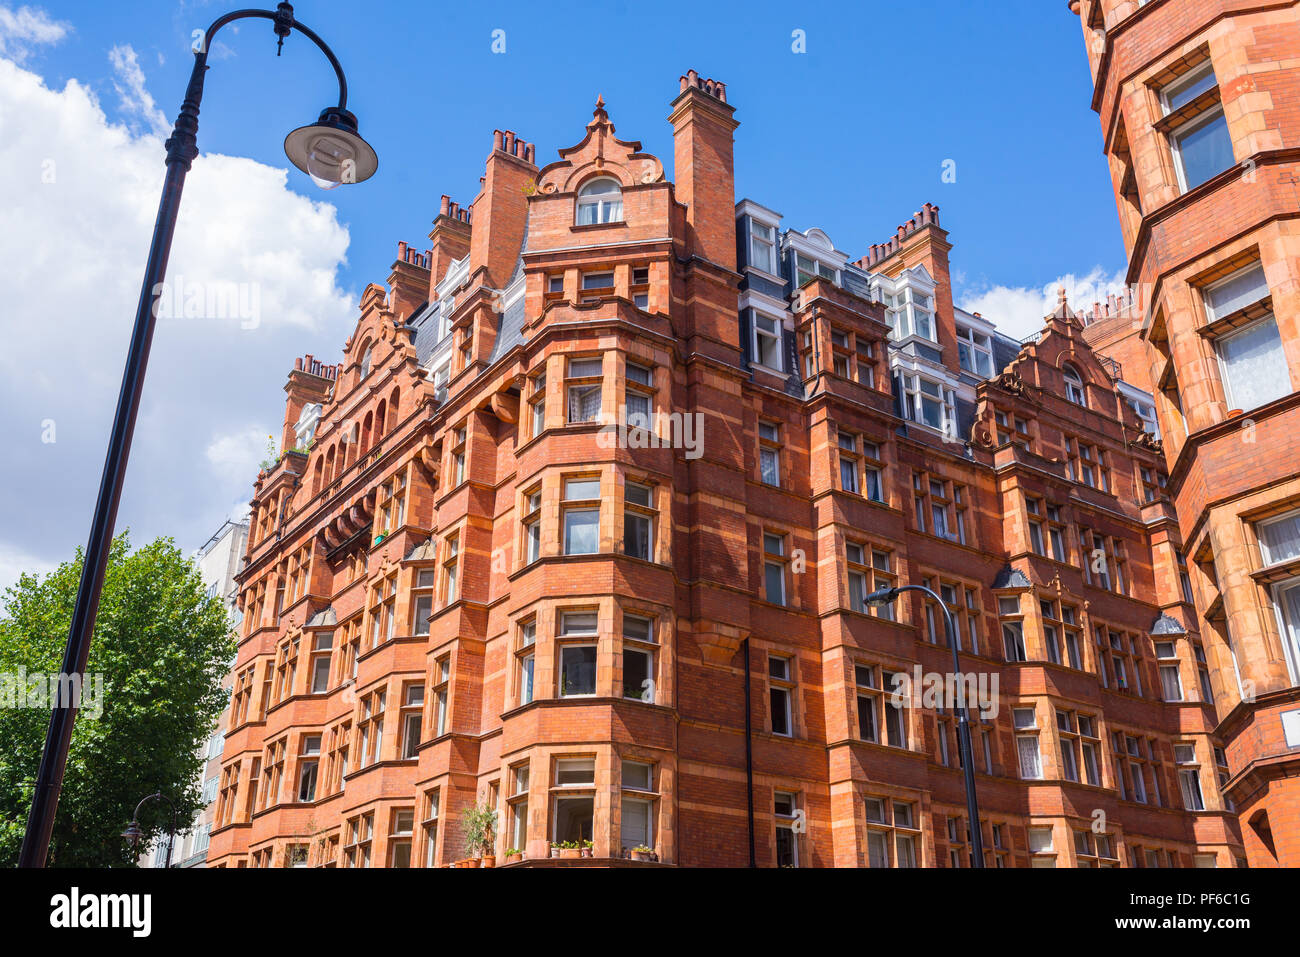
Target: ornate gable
[{"x": 600, "y": 153}]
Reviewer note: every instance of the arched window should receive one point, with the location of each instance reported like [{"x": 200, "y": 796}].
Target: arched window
[
  {"x": 600, "y": 201},
  {"x": 1074, "y": 386},
  {"x": 366, "y": 427},
  {"x": 365, "y": 363},
  {"x": 317, "y": 472},
  {"x": 392, "y": 408},
  {"x": 380, "y": 415}
]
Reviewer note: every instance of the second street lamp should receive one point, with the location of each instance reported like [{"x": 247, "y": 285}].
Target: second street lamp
[
  {"x": 884, "y": 597},
  {"x": 332, "y": 152}
]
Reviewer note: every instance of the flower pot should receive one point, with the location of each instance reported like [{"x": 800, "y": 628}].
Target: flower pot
[
  {"x": 642, "y": 855},
  {"x": 587, "y": 852},
  {"x": 1233, "y": 413},
  {"x": 555, "y": 852},
  {"x": 514, "y": 858},
  {"x": 489, "y": 860},
  {"x": 570, "y": 853}
]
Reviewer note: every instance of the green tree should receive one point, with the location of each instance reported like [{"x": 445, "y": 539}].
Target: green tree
[{"x": 162, "y": 646}]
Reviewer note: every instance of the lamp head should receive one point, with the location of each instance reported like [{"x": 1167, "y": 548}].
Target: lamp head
[
  {"x": 331, "y": 151},
  {"x": 132, "y": 834},
  {"x": 882, "y": 597}
]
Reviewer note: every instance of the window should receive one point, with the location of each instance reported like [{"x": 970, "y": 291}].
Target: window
[
  {"x": 769, "y": 455},
  {"x": 780, "y": 695},
  {"x": 808, "y": 269},
  {"x": 442, "y": 674},
  {"x": 774, "y": 568},
  {"x": 412, "y": 720},
  {"x": 555, "y": 283},
  {"x": 365, "y": 362},
  {"x": 1089, "y": 748},
  {"x": 1253, "y": 365},
  {"x": 517, "y": 806},
  {"x": 639, "y": 658},
  {"x": 859, "y": 576},
  {"x": 581, "y": 516},
  {"x": 873, "y": 468},
  {"x": 895, "y": 711},
  {"x": 532, "y": 525},
  {"x": 641, "y": 287},
  {"x": 1171, "y": 685},
  {"x": 975, "y": 352},
  {"x": 1189, "y": 777},
  {"x": 600, "y": 201},
  {"x": 785, "y": 811},
  {"x": 892, "y": 833},
  {"x": 869, "y": 700},
  {"x": 928, "y": 403},
  {"x": 392, "y": 503},
  {"x": 1033, "y": 508},
  {"x": 400, "y": 831},
  {"x": 1013, "y": 629},
  {"x": 577, "y": 654},
  {"x": 637, "y": 810},
  {"x": 527, "y": 660},
  {"x": 451, "y": 568},
  {"x": 321, "y": 646},
  {"x": 638, "y": 403},
  {"x": 537, "y": 402},
  {"x": 767, "y": 342},
  {"x": 1094, "y": 850},
  {"x": 1026, "y": 726},
  {"x": 1196, "y": 127},
  {"x": 360, "y": 833},
  {"x": 849, "y": 462},
  {"x": 370, "y": 729},
  {"x": 308, "y": 761},
  {"x": 962, "y": 605},
  {"x": 584, "y": 384},
  {"x": 1041, "y": 850},
  {"x": 574, "y": 799},
  {"x": 430, "y": 827},
  {"x": 1074, "y": 386},
  {"x": 762, "y": 246},
  {"x": 422, "y": 599},
  {"x": 1067, "y": 733},
  {"x": 944, "y": 503},
  {"x": 383, "y": 610},
  {"x": 639, "y": 516}
]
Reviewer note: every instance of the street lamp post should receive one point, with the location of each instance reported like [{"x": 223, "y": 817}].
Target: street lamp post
[
  {"x": 331, "y": 152},
  {"x": 133, "y": 834},
  {"x": 884, "y": 597}
]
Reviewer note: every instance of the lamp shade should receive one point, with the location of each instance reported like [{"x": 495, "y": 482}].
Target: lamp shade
[{"x": 331, "y": 151}]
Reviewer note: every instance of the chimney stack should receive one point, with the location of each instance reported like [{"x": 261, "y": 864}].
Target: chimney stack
[
  {"x": 501, "y": 208},
  {"x": 704, "y": 167}
]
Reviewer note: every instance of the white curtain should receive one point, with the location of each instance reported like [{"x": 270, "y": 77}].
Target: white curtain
[
  {"x": 1254, "y": 365},
  {"x": 1281, "y": 539}
]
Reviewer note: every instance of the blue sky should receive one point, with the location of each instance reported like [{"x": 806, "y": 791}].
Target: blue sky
[{"x": 851, "y": 135}]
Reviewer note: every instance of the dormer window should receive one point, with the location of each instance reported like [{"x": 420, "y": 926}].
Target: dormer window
[
  {"x": 975, "y": 352},
  {"x": 910, "y": 312},
  {"x": 808, "y": 269},
  {"x": 600, "y": 201},
  {"x": 767, "y": 341},
  {"x": 762, "y": 246},
  {"x": 1074, "y": 386}
]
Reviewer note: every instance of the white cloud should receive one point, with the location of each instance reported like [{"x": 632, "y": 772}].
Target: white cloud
[
  {"x": 129, "y": 83},
  {"x": 25, "y": 28},
  {"x": 78, "y": 198},
  {"x": 14, "y": 562},
  {"x": 1019, "y": 311},
  {"x": 234, "y": 456}
]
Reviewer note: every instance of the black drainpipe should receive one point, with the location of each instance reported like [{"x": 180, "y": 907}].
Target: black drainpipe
[{"x": 749, "y": 757}]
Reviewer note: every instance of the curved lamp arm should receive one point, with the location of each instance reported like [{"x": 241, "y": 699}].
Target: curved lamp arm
[{"x": 284, "y": 21}]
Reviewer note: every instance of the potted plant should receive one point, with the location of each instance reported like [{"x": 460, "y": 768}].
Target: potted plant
[
  {"x": 570, "y": 849},
  {"x": 643, "y": 853},
  {"x": 514, "y": 855},
  {"x": 381, "y": 536},
  {"x": 588, "y": 849},
  {"x": 479, "y": 826}
]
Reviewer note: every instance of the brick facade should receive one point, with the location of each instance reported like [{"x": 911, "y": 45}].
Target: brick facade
[
  {"x": 515, "y": 604},
  {"x": 1188, "y": 226}
]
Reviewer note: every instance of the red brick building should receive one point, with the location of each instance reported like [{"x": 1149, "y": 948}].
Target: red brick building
[
  {"x": 1200, "y": 113},
  {"x": 581, "y": 525}
]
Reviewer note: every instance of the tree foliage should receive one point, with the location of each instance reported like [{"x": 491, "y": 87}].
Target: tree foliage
[{"x": 162, "y": 646}]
